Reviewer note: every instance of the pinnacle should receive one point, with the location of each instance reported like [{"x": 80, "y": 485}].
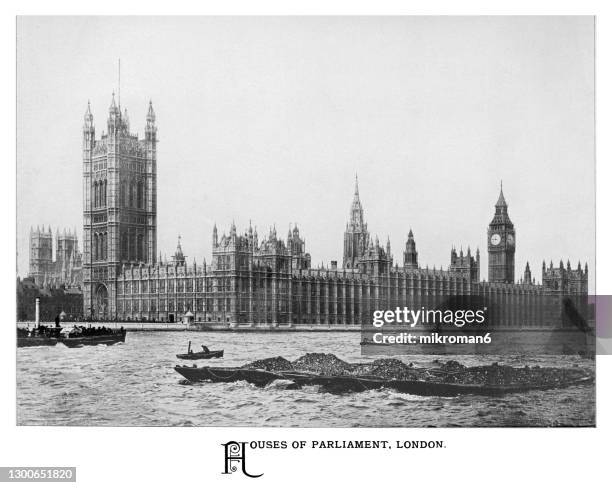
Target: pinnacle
[{"x": 501, "y": 201}]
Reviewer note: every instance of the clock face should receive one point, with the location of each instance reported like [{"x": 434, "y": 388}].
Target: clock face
[
  {"x": 495, "y": 239},
  {"x": 510, "y": 239}
]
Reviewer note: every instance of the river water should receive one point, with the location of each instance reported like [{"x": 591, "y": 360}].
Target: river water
[{"x": 134, "y": 384}]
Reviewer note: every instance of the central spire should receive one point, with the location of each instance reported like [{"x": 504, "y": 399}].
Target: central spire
[{"x": 356, "y": 217}]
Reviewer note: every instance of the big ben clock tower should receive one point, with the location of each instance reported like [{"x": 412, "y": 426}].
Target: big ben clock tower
[{"x": 501, "y": 244}]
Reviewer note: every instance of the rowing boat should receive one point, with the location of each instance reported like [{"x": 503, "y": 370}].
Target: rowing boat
[{"x": 201, "y": 355}]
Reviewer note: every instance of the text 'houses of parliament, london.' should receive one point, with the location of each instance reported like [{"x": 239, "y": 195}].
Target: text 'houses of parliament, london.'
[{"x": 255, "y": 280}]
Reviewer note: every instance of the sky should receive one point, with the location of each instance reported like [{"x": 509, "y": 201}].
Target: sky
[{"x": 268, "y": 119}]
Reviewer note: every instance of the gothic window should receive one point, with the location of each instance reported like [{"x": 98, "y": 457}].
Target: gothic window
[
  {"x": 140, "y": 250},
  {"x": 140, "y": 202},
  {"x": 124, "y": 247},
  {"x": 95, "y": 195},
  {"x": 131, "y": 200},
  {"x": 132, "y": 251},
  {"x": 124, "y": 194},
  {"x": 104, "y": 194},
  {"x": 95, "y": 247}
]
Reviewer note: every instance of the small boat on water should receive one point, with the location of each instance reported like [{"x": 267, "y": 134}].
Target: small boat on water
[
  {"x": 201, "y": 355},
  {"x": 205, "y": 353},
  {"x": 73, "y": 337},
  {"x": 38, "y": 336}
]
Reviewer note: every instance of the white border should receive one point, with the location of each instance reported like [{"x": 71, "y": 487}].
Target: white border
[{"x": 193, "y": 457}]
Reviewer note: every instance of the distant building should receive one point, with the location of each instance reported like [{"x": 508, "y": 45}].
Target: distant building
[
  {"x": 66, "y": 269},
  {"x": 53, "y": 301}
]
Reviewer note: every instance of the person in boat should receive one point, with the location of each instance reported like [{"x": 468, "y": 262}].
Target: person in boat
[
  {"x": 205, "y": 349},
  {"x": 57, "y": 321},
  {"x": 189, "y": 348}
]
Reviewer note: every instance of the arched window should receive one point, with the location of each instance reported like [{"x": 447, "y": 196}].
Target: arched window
[
  {"x": 104, "y": 194},
  {"x": 95, "y": 247},
  {"x": 132, "y": 244},
  {"x": 124, "y": 247},
  {"x": 140, "y": 195},
  {"x": 104, "y": 247},
  {"x": 95, "y": 194},
  {"x": 140, "y": 249},
  {"x": 132, "y": 196},
  {"x": 124, "y": 195}
]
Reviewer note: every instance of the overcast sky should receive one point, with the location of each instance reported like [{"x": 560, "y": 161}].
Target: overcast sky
[{"x": 269, "y": 119}]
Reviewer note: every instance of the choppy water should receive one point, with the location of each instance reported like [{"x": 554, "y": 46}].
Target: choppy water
[{"x": 134, "y": 384}]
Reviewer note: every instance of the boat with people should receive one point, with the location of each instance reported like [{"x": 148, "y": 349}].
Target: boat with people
[
  {"x": 205, "y": 353},
  {"x": 78, "y": 336},
  {"x": 38, "y": 336},
  {"x": 201, "y": 355},
  {"x": 75, "y": 336}
]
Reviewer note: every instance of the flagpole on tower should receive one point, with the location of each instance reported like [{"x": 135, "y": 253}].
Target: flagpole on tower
[{"x": 119, "y": 84}]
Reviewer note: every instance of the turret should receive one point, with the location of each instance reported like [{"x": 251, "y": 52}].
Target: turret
[
  {"x": 527, "y": 274},
  {"x": 410, "y": 253},
  {"x": 150, "y": 129},
  {"x": 215, "y": 236},
  {"x": 114, "y": 117},
  {"x": 179, "y": 257}
]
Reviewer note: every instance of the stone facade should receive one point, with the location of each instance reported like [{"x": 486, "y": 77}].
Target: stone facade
[
  {"x": 252, "y": 283},
  {"x": 119, "y": 206}
]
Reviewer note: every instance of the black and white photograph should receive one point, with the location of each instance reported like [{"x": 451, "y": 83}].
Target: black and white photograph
[{"x": 305, "y": 221}]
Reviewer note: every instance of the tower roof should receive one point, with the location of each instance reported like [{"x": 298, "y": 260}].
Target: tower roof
[
  {"x": 113, "y": 105},
  {"x": 178, "y": 255},
  {"x": 88, "y": 117},
  {"x": 356, "y": 217},
  {"x": 150, "y": 112},
  {"x": 501, "y": 201},
  {"x": 501, "y": 210}
]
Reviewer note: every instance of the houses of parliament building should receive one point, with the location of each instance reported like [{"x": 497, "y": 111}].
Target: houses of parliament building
[{"x": 266, "y": 280}]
